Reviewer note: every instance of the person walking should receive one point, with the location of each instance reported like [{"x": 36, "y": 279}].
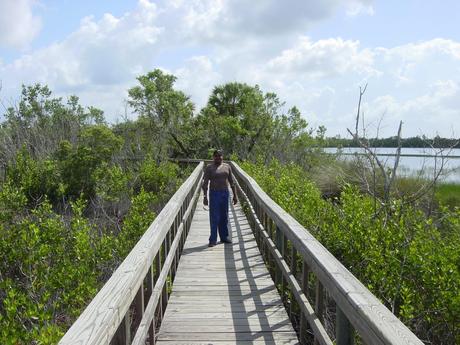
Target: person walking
[{"x": 218, "y": 175}]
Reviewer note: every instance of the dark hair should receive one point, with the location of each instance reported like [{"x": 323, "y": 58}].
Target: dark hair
[{"x": 217, "y": 153}]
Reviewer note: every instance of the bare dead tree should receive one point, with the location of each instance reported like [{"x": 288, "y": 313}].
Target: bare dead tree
[
  {"x": 387, "y": 175},
  {"x": 378, "y": 166}
]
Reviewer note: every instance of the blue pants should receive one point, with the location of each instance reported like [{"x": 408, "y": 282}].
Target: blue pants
[{"x": 218, "y": 214}]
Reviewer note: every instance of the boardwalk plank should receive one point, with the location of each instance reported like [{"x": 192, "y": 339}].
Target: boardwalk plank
[
  {"x": 279, "y": 315},
  {"x": 236, "y": 342},
  {"x": 232, "y": 336}
]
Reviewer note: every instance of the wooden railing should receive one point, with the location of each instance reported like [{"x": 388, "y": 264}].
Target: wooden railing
[
  {"x": 314, "y": 284},
  {"x": 317, "y": 288},
  {"x": 127, "y": 307}
]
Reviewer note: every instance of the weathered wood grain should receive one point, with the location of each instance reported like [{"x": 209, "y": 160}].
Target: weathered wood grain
[
  {"x": 271, "y": 322},
  {"x": 227, "y": 342},
  {"x": 277, "y": 314},
  {"x": 232, "y": 336}
]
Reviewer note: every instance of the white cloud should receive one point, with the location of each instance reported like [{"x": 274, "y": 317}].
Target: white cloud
[
  {"x": 422, "y": 50},
  {"x": 412, "y": 83},
  {"x": 323, "y": 58},
  {"x": 104, "y": 54},
  {"x": 204, "y": 43},
  {"x": 18, "y": 25},
  {"x": 224, "y": 21},
  {"x": 429, "y": 113},
  {"x": 360, "y": 8},
  {"x": 197, "y": 78}
]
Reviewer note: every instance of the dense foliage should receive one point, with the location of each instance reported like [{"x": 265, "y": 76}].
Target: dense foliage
[
  {"x": 72, "y": 206},
  {"x": 77, "y": 193},
  {"x": 410, "y": 261}
]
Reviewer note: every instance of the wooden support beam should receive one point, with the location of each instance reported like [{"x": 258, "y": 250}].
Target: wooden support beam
[{"x": 343, "y": 329}]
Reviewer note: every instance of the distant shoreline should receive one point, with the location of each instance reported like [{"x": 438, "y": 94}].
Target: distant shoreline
[
  {"x": 394, "y": 155},
  {"x": 392, "y": 142}
]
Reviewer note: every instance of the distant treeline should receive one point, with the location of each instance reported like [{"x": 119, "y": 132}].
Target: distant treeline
[{"x": 422, "y": 142}]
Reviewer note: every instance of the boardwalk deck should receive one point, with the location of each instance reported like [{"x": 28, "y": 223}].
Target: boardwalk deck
[{"x": 224, "y": 294}]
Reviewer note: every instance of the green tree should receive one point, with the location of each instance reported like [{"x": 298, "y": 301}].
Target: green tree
[
  {"x": 238, "y": 118},
  {"x": 96, "y": 145},
  {"x": 40, "y": 122},
  {"x": 37, "y": 179},
  {"x": 163, "y": 111}
]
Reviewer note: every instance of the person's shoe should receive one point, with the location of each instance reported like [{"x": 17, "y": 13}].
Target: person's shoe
[
  {"x": 227, "y": 240},
  {"x": 211, "y": 244}
]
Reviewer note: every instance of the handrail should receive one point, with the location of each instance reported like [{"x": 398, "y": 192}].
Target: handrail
[
  {"x": 139, "y": 287},
  {"x": 154, "y": 256},
  {"x": 374, "y": 323}
]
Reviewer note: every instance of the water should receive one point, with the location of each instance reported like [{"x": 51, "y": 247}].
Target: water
[{"x": 422, "y": 162}]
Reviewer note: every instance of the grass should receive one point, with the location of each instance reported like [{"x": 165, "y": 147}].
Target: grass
[
  {"x": 331, "y": 175},
  {"x": 448, "y": 194}
]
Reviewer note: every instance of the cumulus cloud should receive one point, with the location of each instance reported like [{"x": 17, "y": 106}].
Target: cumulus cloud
[
  {"x": 101, "y": 55},
  {"x": 205, "y": 43},
  {"x": 429, "y": 113},
  {"x": 18, "y": 24},
  {"x": 422, "y": 50},
  {"x": 410, "y": 61},
  {"x": 224, "y": 21},
  {"x": 411, "y": 82},
  {"x": 323, "y": 58},
  {"x": 197, "y": 78}
]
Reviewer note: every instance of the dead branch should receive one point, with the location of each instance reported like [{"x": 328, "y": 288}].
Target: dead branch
[
  {"x": 395, "y": 166},
  {"x": 388, "y": 177},
  {"x": 361, "y": 93}
]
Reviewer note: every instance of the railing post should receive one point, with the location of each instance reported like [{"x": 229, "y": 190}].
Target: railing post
[
  {"x": 304, "y": 284},
  {"x": 284, "y": 249},
  {"x": 149, "y": 290},
  {"x": 172, "y": 237},
  {"x": 260, "y": 237},
  {"x": 294, "y": 272},
  {"x": 123, "y": 334},
  {"x": 139, "y": 306},
  {"x": 158, "y": 267},
  {"x": 319, "y": 300},
  {"x": 149, "y": 284},
  {"x": 343, "y": 329},
  {"x": 319, "y": 303},
  {"x": 271, "y": 259},
  {"x": 265, "y": 221},
  {"x": 164, "y": 294},
  {"x": 280, "y": 246}
]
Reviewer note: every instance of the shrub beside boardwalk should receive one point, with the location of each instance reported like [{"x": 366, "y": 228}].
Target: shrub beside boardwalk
[{"x": 409, "y": 261}]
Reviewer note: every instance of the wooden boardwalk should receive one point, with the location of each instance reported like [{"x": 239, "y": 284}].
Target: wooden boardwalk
[{"x": 224, "y": 294}]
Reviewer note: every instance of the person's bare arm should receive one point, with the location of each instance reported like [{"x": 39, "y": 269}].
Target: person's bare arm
[
  {"x": 231, "y": 181},
  {"x": 204, "y": 186}
]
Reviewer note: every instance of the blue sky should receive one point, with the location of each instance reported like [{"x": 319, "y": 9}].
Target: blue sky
[
  {"x": 313, "y": 54},
  {"x": 395, "y": 23}
]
